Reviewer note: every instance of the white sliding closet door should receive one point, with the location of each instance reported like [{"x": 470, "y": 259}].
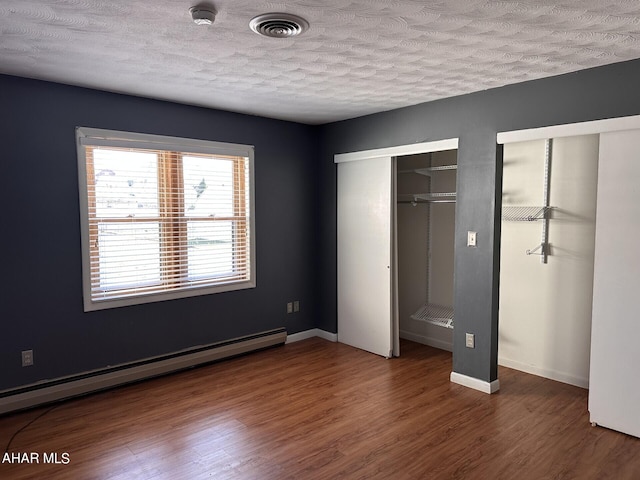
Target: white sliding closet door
[
  {"x": 365, "y": 222},
  {"x": 614, "y": 385}
]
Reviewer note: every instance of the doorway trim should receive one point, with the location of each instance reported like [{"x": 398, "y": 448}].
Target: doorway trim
[
  {"x": 570, "y": 129},
  {"x": 399, "y": 151},
  {"x": 592, "y": 127}
]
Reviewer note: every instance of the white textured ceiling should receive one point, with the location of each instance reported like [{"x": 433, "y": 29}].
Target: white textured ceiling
[{"x": 357, "y": 58}]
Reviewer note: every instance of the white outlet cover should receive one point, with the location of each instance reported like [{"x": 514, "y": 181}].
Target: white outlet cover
[{"x": 27, "y": 358}]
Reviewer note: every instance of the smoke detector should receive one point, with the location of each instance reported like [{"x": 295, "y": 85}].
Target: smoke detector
[
  {"x": 278, "y": 25},
  {"x": 202, "y": 15}
]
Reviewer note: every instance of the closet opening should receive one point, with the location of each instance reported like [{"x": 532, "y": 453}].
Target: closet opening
[
  {"x": 372, "y": 287},
  {"x": 547, "y": 256},
  {"x": 573, "y": 318},
  {"x": 425, "y": 233}
]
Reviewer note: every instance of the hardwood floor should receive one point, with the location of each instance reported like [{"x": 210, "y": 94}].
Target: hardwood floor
[{"x": 321, "y": 410}]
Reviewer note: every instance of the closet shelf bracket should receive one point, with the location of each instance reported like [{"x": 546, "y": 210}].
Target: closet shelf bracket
[
  {"x": 517, "y": 213},
  {"x": 539, "y": 250}
]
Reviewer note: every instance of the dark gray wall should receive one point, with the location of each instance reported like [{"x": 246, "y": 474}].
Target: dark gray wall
[
  {"x": 41, "y": 294},
  {"x": 605, "y": 92}
]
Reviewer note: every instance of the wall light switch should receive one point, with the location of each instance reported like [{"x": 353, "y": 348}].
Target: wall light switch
[
  {"x": 471, "y": 239},
  {"x": 290, "y": 307},
  {"x": 470, "y": 340}
]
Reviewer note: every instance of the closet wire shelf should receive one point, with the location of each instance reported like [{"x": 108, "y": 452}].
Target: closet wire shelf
[
  {"x": 518, "y": 213},
  {"x": 440, "y": 197},
  {"x": 428, "y": 170},
  {"x": 439, "y": 315}
]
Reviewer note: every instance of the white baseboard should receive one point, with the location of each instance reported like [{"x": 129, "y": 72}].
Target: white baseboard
[
  {"x": 62, "y": 388},
  {"x": 424, "y": 340},
  {"x": 475, "y": 383},
  {"x": 314, "y": 332},
  {"x": 545, "y": 372}
]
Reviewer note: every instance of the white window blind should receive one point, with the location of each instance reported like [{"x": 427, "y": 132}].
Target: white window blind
[{"x": 163, "y": 217}]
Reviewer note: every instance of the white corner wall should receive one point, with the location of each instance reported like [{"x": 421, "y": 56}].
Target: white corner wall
[
  {"x": 412, "y": 227},
  {"x": 545, "y": 309}
]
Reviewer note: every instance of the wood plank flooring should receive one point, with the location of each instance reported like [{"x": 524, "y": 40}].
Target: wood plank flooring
[{"x": 321, "y": 410}]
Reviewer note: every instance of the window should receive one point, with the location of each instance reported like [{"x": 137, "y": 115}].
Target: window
[{"x": 163, "y": 217}]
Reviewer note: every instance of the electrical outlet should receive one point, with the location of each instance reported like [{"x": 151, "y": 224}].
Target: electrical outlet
[
  {"x": 470, "y": 340},
  {"x": 290, "y": 307},
  {"x": 27, "y": 358},
  {"x": 471, "y": 239},
  {"x": 296, "y": 306}
]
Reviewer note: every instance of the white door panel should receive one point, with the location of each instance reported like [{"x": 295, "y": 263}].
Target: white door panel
[
  {"x": 364, "y": 254},
  {"x": 614, "y": 388}
]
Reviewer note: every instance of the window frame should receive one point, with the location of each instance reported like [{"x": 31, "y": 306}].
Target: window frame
[{"x": 95, "y": 137}]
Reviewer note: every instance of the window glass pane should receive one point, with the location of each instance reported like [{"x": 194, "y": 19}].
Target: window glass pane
[
  {"x": 129, "y": 253},
  {"x": 210, "y": 250},
  {"x": 126, "y": 183},
  {"x": 208, "y": 186}
]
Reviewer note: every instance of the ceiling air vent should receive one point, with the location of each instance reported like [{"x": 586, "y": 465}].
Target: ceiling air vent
[{"x": 278, "y": 25}]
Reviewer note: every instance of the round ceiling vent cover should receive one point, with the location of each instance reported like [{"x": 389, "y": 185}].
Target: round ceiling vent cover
[{"x": 278, "y": 25}]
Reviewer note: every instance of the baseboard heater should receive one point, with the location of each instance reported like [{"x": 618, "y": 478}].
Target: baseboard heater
[{"x": 88, "y": 382}]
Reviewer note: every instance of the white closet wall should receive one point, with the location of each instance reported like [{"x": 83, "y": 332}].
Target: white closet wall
[
  {"x": 417, "y": 273},
  {"x": 545, "y": 309},
  {"x": 412, "y": 228},
  {"x": 443, "y": 220}
]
